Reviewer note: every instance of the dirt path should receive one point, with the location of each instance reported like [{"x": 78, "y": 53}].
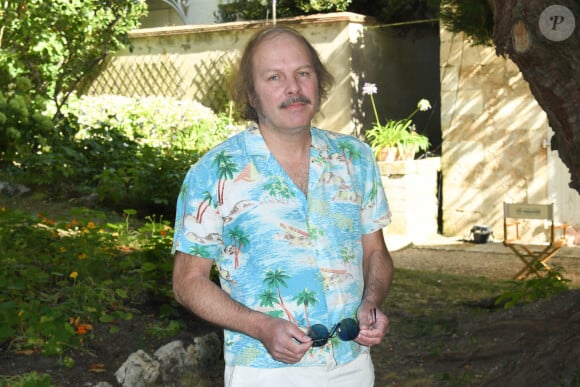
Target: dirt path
[{"x": 492, "y": 260}]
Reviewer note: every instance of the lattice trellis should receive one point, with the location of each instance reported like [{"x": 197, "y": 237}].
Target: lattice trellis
[
  {"x": 210, "y": 80},
  {"x": 139, "y": 76}
]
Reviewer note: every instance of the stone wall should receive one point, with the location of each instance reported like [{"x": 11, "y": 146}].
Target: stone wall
[
  {"x": 494, "y": 146},
  {"x": 412, "y": 190}
]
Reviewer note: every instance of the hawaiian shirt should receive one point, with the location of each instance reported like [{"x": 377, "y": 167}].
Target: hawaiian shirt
[{"x": 277, "y": 250}]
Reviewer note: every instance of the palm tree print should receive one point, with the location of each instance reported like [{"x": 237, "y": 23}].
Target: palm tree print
[
  {"x": 203, "y": 206},
  {"x": 183, "y": 194},
  {"x": 240, "y": 239},
  {"x": 347, "y": 254},
  {"x": 275, "y": 279},
  {"x": 226, "y": 169},
  {"x": 279, "y": 189},
  {"x": 314, "y": 232},
  {"x": 350, "y": 153},
  {"x": 268, "y": 298},
  {"x": 374, "y": 191},
  {"x": 306, "y": 297},
  {"x": 200, "y": 251}
]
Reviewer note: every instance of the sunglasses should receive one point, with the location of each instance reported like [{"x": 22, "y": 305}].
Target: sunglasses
[{"x": 346, "y": 330}]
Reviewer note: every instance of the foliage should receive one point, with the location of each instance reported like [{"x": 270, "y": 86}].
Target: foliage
[
  {"x": 161, "y": 122},
  {"x": 31, "y": 379},
  {"x": 527, "y": 291},
  {"x": 57, "y": 44},
  {"x": 393, "y": 11},
  {"x": 474, "y": 18},
  {"x": 47, "y": 49},
  {"x": 133, "y": 152},
  {"x": 60, "y": 277},
  {"x": 388, "y": 11},
  {"x": 260, "y": 9},
  {"x": 395, "y": 133},
  {"x": 23, "y": 126}
]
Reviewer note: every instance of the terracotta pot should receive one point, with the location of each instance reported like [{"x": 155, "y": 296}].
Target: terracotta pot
[
  {"x": 388, "y": 154},
  {"x": 407, "y": 154}
]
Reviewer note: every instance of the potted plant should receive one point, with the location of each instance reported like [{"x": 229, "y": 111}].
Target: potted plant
[{"x": 396, "y": 139}]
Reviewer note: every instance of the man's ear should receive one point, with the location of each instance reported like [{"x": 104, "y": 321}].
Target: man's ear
[{"x": 252, "y": 99}]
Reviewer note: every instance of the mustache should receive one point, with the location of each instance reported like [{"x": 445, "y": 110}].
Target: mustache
[{"x": 295, "y": 99}]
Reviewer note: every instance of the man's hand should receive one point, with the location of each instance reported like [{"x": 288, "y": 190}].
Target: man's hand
[
  {"x": 284, "y": 341},
  {"x": 373, "y": 323}
]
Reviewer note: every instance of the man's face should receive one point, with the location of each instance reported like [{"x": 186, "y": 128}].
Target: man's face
[{"x": 286, "y": 84}]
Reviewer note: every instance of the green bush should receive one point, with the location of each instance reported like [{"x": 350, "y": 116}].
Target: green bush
[
  {"x": 258, "y": 10},
  {"x": 386, "y": 11},
  {"x": 59, "y": 44},
  {"x": 143, "y": 147},
  {"x": 24, "y": 129},
  {"x": 60, "y": 277},
  {"x": 538, "y": 288},
  {"x": 133, "y": 152}
]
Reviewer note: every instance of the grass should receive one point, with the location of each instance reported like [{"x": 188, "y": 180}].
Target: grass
[
  {"x": 63, "y": 275},
  {"x": 434, "y": 299}
]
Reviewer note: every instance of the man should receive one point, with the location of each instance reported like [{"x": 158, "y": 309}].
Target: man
[{"x": 292, "y": 216}]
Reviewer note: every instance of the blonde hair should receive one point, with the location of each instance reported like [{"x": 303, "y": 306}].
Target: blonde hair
[{"x": 243, "y": 92}]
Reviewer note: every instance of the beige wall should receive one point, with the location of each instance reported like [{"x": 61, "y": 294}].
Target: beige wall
[
  {"x": 494, "y": 137},
  {"x": 182, "y": 61}
]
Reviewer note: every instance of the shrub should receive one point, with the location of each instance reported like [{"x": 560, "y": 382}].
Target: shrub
[
  {"x": 161, "y": 122},
  {"x": 60, "y": 277},
  {"x": 528, "y": 291},
  {"x": 134, "y": 152},
  {"x": 140, "y": 149},
  {"x": 58, "y": 44},
  {"x": 257, "y": 10},
  {"x": 24, "y": 129}
]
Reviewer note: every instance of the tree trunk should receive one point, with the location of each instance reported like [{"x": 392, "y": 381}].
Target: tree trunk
[{"x": 549, "y": 62}]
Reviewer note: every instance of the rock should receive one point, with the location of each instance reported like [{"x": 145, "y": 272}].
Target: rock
[
  {"x": 173, "y": 362},
  {"x": 13, "y": 190},
  {"x": 139, "y": 370},
  {"x": 206, "y": 351}
]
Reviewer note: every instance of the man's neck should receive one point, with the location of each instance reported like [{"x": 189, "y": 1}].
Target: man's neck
[
  {"x": 292, "y": 151},
  {"x": 288, "y": 146}
]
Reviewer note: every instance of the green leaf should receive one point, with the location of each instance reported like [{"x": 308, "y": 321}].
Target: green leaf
[{"x": 122, "y": 293}]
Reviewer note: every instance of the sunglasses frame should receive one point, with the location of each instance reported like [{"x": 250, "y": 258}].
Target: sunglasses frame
[{"x": 317, "y": 330}]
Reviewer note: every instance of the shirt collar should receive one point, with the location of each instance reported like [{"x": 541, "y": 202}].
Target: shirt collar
[{"x": 256, "y": 146}]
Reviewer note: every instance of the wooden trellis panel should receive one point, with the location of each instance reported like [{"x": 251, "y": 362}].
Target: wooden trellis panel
[{"x": 204, "y": 80}]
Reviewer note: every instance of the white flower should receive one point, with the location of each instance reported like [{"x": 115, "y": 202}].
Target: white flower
[
  {"x": 369, "y": 88},
  {"x": 423, "y": 105}
]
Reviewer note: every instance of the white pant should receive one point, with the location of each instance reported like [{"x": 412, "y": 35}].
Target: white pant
[{"x": 359, "y": 373}]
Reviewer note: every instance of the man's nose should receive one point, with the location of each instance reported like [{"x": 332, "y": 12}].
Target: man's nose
[{"x": 292, "y": 85}]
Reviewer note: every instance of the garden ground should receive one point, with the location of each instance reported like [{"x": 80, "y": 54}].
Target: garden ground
[{"x": 461, "y": 345}]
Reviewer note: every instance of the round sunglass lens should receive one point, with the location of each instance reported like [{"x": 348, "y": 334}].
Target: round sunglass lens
[
  {"x": 348, "y": 329},
  {"x": 319, "y": 335}
]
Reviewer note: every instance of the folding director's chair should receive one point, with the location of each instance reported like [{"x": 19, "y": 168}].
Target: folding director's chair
[{"x": 535, "y": 255}]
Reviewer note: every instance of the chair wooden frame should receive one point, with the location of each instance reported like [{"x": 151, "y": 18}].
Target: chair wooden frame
[{"x": 534, "y": 255}]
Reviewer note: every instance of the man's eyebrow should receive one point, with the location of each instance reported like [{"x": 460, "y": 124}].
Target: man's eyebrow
[{"x": 299, "y": 68}]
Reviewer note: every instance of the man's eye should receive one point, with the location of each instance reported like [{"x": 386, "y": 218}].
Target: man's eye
[
  {"x": 303, "y": 74},
  {"x": 273, "y": 77}
]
